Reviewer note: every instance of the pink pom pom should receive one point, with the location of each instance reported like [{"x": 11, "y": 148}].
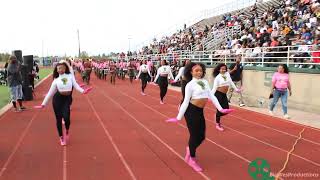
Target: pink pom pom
[{"x": 87, "y": 90}]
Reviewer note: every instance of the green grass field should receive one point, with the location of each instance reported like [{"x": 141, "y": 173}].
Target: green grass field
[{"x": 4, "y": 91}]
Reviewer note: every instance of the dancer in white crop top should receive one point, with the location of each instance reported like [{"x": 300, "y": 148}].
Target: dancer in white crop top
[
  {"x": 144, "y": 74},
  {"x": 221, "y": 85},
  {"x": 163, "y": 73},
  {"x": 197, "y": 93},
  {"x": 61, "y": 89}
]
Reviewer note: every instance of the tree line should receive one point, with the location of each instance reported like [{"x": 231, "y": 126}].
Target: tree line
[{"x": 4, "y": 57}]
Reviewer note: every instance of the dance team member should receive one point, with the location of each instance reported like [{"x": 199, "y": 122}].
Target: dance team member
[
  {"x": 197, "y": 93},
  {"x": 144, "y": 73},
  {"x": 163, "y": 73},
  {"x": 221, "y": 85},
  {"x": 60, "y": 89}
]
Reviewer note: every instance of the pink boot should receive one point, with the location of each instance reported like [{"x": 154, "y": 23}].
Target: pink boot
[
  {"x": 219, "y": 127},
  {"x": 193, "y": 163},
  {"x": 226, "y": 111},
  {"x": 62, "y": 142},
  {"x": 174, "y": 120},
  {"x": 187, "y": 157}
]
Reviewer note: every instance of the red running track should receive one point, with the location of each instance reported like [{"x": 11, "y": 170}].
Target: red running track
[{"x": 118, "y": 134}]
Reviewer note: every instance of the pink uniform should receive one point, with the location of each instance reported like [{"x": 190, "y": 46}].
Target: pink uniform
[{"x": 280, "y": 80}]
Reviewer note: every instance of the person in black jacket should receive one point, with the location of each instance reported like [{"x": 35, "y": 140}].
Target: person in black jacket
[
  {"x": 236, "y": 76},
  {"x": 15, "y": 83}
]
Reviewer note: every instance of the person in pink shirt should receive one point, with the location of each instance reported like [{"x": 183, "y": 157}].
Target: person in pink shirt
[
  {"x": 280, "y": 86},
  {"x": 137, "y": 66}
]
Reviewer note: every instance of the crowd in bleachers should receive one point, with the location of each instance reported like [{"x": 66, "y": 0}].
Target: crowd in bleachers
[{"x": 291, "y": 23}]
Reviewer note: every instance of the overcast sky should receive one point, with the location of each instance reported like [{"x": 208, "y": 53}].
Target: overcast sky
[{"x": 105, "y": 25}]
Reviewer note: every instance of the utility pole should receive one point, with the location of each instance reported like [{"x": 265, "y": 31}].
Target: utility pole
[{"x": 79, "y": 43}]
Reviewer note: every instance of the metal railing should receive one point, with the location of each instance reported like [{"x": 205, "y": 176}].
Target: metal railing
[{"x": 262, "y": 56}]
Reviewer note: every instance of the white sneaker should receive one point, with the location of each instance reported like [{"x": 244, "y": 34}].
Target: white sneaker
[
  {"x": 271, "y": 113},
  {"x": 296, "y": 65},
  {"x": 286, "y": 116},
  {"x": 241, "y": 104}
]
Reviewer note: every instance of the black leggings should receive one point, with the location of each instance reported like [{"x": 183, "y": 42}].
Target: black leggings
[
  {"x": 163, "y": 84},
  {"x": 223, "y": 100},
  {"x": 196, "y": 126},
  {"x": 61, "y": 107},
  {"x": 131, "y": 78},
  {"x": 144, "y": 79},
  {"x": 183, "y": 87}
]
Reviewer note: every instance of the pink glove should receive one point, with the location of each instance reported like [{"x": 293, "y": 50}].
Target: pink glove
[
  {"x": 239, "y": 90},
  {"x": 227, "y": 111},
  {"x": 38, "y": 107},
  {"x": 81, "y": 85},
  {"x": 86, "y": 91},
  {"x": 174, "y": 120}
]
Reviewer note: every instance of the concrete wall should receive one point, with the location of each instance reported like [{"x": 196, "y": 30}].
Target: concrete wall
[{"x": 305, "y": 89}]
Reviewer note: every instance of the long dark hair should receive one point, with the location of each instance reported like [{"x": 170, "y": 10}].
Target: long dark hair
[
  {"x": 184, "y": 63},
  {"x": 141, "y": 62},
  {"x": 165, "y": 62},
  {"x": 188, "y": 69},
  {"x": 285, "y": 67},
  {"x": 55, "y": 71},
  {"x": 216, "y": 70}
]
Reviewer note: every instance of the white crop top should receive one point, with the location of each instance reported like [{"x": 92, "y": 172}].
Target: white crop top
[
  {"x": 180, "y": 73},
  {"x": 223, "y": 80},
  {"x": 143, "y": 69},
  {"x": 63, "y": 83},
  {"x": 197, "y": 89},
  {"x": 164, "y": 70}
]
